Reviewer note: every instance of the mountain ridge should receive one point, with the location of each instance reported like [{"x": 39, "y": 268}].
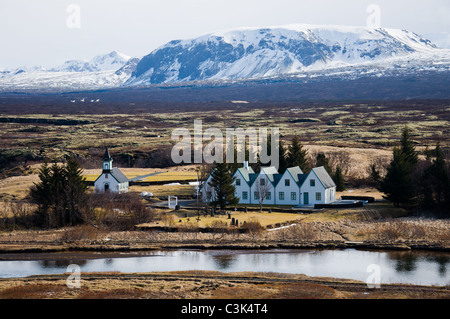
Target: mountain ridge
[
  {"x": 298, "y": 51},
  {"x": 261, "y": 52}
]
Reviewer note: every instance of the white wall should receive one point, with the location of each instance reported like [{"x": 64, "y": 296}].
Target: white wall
[
  {"x": 292, "y": 188},
  {"x": 244, "y": 187},
  {"x": 312, "y": 190},
  {"x": 114, "y": 185},
  {"x": 271, "y": 189}
]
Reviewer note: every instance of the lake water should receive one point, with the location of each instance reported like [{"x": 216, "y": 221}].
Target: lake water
[{"x": 413, "y": 267}]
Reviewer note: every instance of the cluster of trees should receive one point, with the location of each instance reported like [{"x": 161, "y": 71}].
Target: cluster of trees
[
  {"x": 63, "y": 199},
  {"x": 60, "y": 195},
  {"x": 297, "y": 155},
  {"x": 413, "y": 181}
]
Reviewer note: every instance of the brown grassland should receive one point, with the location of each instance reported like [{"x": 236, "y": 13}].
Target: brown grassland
[{"x": 365, "y": 132}]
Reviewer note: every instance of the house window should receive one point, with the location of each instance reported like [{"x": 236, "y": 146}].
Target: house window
[
  {"x": 106, "y": 175},
  {"x": 287, "y": 182},
  {"x": 256, "y": 195},
  {"x": 269, "y": 196},
  {"x": 312, "y": 182},
  {"x": 293, "y": 196},
  {"x": 244, "y": 195},
  {"x": 318, "y": 196},
  {"x": 281, "y": 195},
  {"x": 262, "y": 182},
  {"x": 238, "y": 182}
]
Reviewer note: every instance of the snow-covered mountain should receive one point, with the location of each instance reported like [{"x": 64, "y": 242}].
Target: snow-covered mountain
[
  {"x": 247, "y": 54},
  {"x": 279, "y": 51},
  {"x": 107, "y": 62},
  {"x": 442, "y": 40},
  {"x": 102, "y": 71}
]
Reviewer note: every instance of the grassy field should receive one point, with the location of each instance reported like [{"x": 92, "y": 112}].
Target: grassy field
[
  {"x": 184, "y": 173},
  {"x": 365, "y": 130}
]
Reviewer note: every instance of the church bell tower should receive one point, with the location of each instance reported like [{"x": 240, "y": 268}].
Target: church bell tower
[{"x": 107, "y": 162}]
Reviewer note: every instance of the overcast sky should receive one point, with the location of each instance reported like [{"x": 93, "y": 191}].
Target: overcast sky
[{"x": 49, "y": 32}]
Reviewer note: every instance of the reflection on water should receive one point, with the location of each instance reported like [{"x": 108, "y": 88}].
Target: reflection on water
[
  {"x": 408, "y": 261},
  {"x": 223, "y": 262},
  {"x": 428, "y": 268},
  {"x": 61, "y": 263}
]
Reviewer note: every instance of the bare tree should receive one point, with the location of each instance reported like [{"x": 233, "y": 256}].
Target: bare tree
[
  {"x": 262, "y": 190},
  {"x": 340, "y": 159},
  {"x": 203, "y": 172}
]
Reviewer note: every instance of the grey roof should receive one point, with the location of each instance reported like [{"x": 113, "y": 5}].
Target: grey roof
[
  {"x": 295, "y": 171},
  {"x": 118, "y": 175},
  {"x": 324, "y": 177},
  {"x": 246, "y": 173},
  {"x": 270, "y": 172}
]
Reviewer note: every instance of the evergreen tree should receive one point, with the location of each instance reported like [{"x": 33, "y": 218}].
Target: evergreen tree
[
  {"x": 222, "y": 183},
  {"x": 435, "y": 182},
  {"x": 75, "y": 187},
  {"x": 297, "y": 155},
  {"x": 375, "y": 176},
  {"x": 322, "y": 160},
  {"x": 41, "y": 194},
  {"x": 408, "y": 149},
  {"x": 339, "y": 180},
  {"x": 283, "y": 162},
  {"x": 60, "y": 194},
  {"x": 397, "y": 185}
]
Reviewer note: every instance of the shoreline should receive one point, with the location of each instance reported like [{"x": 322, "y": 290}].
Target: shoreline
[{"x": 14, "y": 250}]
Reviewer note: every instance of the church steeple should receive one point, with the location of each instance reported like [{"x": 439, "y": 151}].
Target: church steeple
[{"x": 107, "y": 162}]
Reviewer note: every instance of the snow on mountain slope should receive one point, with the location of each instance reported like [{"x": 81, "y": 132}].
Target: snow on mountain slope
[
  {"x": 442, "y": 40},
  {"x": 264, "y": 52},
  {"x": 286, "y": 52},
  {"x": 102, "y": 71},
  {"x": 106, "y": 62}
]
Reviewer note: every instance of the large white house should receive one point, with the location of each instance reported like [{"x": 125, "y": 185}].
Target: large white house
[
  {"x": 269, "y": 187},
  {"x": 112, "y": 179}
]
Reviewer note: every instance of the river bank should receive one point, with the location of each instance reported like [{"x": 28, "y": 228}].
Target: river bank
[
  {"x": 208, "y": 285},
  {"x": 29, "y": 250}
]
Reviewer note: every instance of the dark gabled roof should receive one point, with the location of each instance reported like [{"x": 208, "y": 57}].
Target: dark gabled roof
[
  {"x": 107, "y": 156},
  {"x": 252, "y": 178},
  {"x": 301, "y": 179},
  {"x": 324, "y": 177},
  {"x": 118, "y": 175},
  {"x": 276, "y": 179}
]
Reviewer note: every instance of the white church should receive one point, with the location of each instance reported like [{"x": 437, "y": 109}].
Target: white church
[
  {"x": 291, "y": 188},
  {"x": 112, "y": 179}
]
